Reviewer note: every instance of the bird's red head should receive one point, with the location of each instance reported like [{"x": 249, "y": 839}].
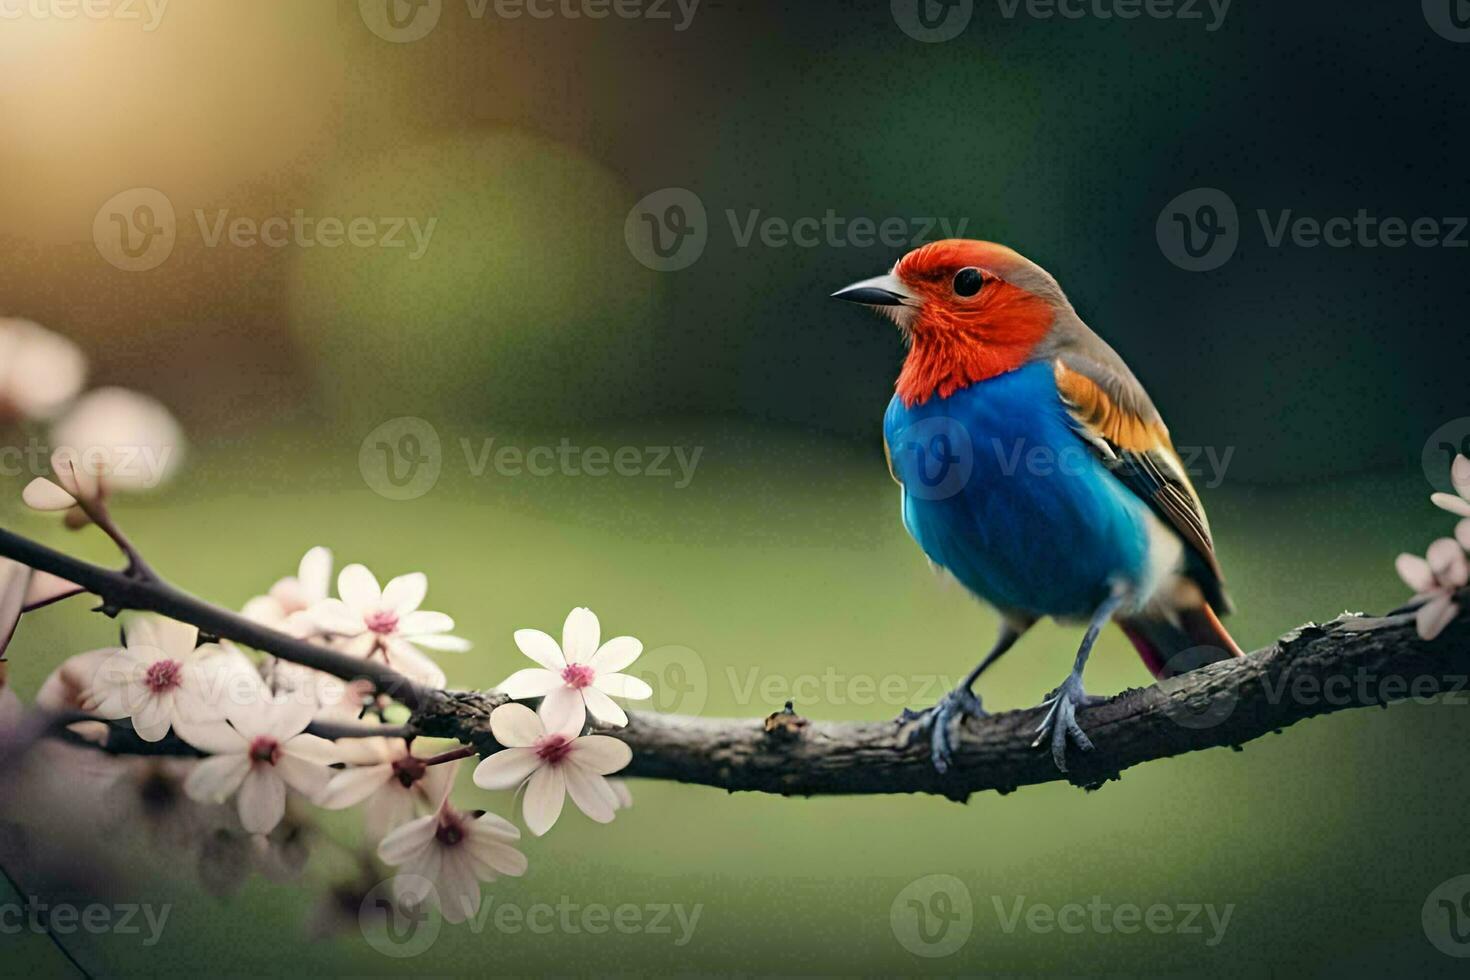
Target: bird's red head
[{"x": 970, "y": 310}]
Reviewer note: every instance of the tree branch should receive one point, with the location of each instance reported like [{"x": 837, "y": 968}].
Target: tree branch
[
  {"x": 1351, "y": 662},
  {"x": 119, "y": 591}
]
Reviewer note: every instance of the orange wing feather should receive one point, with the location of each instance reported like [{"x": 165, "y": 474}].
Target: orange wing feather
[{"x": 1140, "y": 453}]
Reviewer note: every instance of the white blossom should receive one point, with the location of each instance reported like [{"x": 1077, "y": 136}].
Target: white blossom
[
  {"x": 286, "y": 605},
  {"x": 374, "y": 620},
  {"x": 442, "y": 858},
  {"x": 162, "y": 680},
  {"x": 391, "y": 783},
  {"x": 1436, "y": 579},
  {"x": 1457, "y": 503},
  {"x": 551, "y": 766},
  {"x": 40, "y": 371},
  {"x": 260, "y": 751},
  {"x": 579, "y": 677}
]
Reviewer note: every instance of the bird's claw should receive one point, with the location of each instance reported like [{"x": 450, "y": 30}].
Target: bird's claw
[
  {"x": 940, "y": 725},
  {"x": 1060, "y": 723}
]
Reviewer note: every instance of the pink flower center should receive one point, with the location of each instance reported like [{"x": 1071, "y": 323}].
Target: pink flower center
[
  {"x": 578, "y": 675},
  {"x": 383, "y": 622},
  {"x": 265, "y": 749},
  {"x": 553, "y": 748},
  {"x": 450, "y": 831},
  {"x": 163, "y": 675}
]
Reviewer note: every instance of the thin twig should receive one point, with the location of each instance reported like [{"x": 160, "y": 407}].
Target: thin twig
[{"x": 120, "y": 591}]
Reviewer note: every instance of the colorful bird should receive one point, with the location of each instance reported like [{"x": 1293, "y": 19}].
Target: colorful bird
[{"x": 1033, "y": 468}]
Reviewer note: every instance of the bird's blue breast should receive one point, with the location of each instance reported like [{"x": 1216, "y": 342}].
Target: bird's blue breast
[{"x": 1000, "y": 490}]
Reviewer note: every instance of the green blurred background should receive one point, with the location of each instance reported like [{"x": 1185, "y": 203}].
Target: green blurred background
[{"x": 529, "y": 319}]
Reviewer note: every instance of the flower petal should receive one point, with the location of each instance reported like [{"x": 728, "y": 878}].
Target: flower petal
[
  {"x": 406, "y": 593},
  {"x": 603, "y": 708},
  {"x": 1415, "y": 572},
  {"x": 262, "y": 800},
  {"x": 1435, "y": 615},
  {"x": 351, "y": 786},
  {"x": 580, "y": 635},
  {"x": 313, "y": 749},
  {"x": 541, "y": 648},
  {"x": 1448, "y": 561},
  {"x": 442, "y": 641},
  {"x": 616, "y": 654},
  {"x": 403, "y": 843},
  {"x": 533, "y": 682},
  {"x": 216, "y": 738},
  {"x": 591, "y": 793},
  {"x": 495, "y": 827},
  {"x": 601, "y": 754},
  {"x": 359, "y": 589},
  {"x": 154, "y": 717},
  {"x": 506, "y": 769},
  {"x": 1462, "y": 533},
  {"x": 46, "y": 588},
  {"x": 515, "y": 725},
  {"x": 459, "y": 889},
  {"x": 622, "y": 792},
  {"x": 623, "y": 686},
  {"x": 565, "y": 710},
  {"x": 500, "y": 858},
  {"x": 1460, "y": 475},
  {"x": 415, "y": 624},
  {"x": 42, "y": 494},
  {"x": 288, "y": 718},
  {"x": 214, "y": 779},
  {"x": 408, "y": 659},
  {"x": 545, "y": 793},
  {"x": 314, "y": 574},
  {"x": 414, "y": 885},
  {"x": 308, "y": 778},
  {"x": 1445, "y": 501},
  {"x": 386, "y": 810},
  {"x": 335, "y": 616},
  {"x": 177, "y": 640}
]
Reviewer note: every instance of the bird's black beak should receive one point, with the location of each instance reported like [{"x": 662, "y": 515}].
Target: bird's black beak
[{"x": 885, "y": 290}]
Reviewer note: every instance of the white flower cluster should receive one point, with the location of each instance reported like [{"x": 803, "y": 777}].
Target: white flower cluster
[
  {"x": 250, "y": 720},
  {"x": 1438, "y": 577},
  {"x": 251, "y": 727}
]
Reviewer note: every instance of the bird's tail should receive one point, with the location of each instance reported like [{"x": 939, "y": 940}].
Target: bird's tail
[{"x": 1174, "y": 641}]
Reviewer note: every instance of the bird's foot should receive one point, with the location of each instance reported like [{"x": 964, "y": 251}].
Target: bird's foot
[
  {"x": 1060, "y": 723},
  {"x": 940, "y": 725}
]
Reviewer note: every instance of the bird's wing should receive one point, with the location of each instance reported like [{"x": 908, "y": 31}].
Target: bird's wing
[{"x": 1113, "y": 415}]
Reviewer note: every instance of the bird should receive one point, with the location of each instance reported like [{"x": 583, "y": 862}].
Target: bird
[{"x": 1034, "y": 468}]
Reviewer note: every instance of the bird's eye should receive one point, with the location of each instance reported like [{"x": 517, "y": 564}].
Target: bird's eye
[{"x": 967, "y": 282}]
